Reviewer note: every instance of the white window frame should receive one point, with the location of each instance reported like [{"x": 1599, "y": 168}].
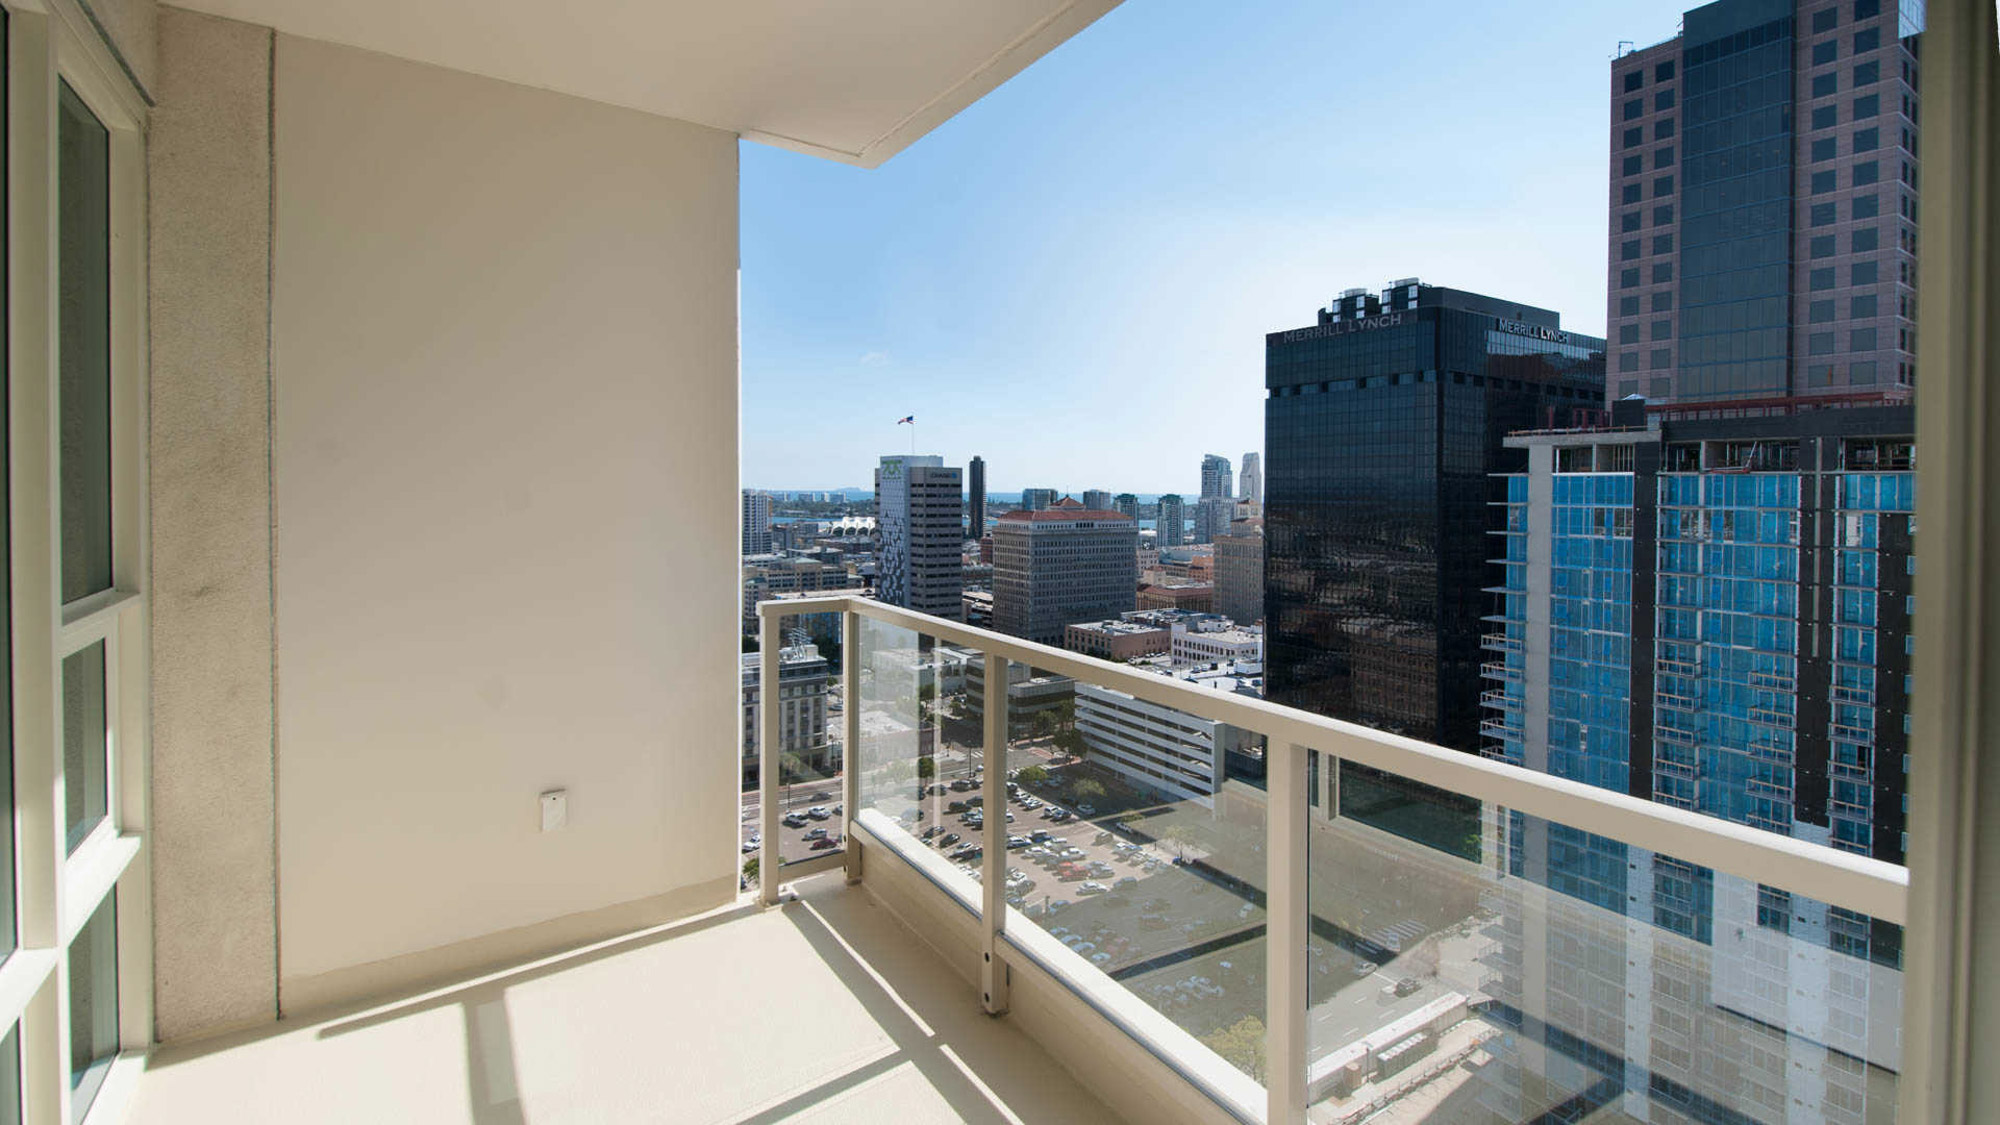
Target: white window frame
[{"x": 52, "y": 41}]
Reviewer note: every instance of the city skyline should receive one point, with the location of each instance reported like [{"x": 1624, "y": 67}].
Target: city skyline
[{"x": 1071, "y": 253}]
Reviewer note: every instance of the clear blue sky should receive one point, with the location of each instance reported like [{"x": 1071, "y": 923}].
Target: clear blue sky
[{"x": 1074, "y": 277}]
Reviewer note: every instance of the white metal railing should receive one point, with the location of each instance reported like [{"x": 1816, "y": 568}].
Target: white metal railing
[{"x": 1854, "y": 882}]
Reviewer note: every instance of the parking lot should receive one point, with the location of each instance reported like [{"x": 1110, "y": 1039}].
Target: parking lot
[{"x": 1166, "y": 896}]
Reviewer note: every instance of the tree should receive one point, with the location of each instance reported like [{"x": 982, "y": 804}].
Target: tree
[
  {"x": 1242, "y": 1044},
  {"x": 750, "y": 870},
  {"x": 1177, "y": 836},
  {"x": 1071, "y": 743},
  {"x": 1032, "y": 775},
  {"x": 1066, "y": 715},
  {"x": 1044, "y": 724},
  {"x": 1088, "y": 789},
  {"x": 926, "y": 769}
]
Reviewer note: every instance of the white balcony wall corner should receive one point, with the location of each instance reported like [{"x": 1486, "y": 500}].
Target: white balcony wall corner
[
  {"x": 504, "y": 454},
  {"x": 439, "y": 541},
  {"x": 214, "y": 810}
]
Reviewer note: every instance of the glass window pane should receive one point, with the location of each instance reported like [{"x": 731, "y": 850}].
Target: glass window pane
[
  {"x": 84, "y": 168},
  {"x": 919, "y": 790},
  {"x": 93, "y": 1005},
  {"x": 1138, "y": 843},
  {"x": 84, "y": 740}
]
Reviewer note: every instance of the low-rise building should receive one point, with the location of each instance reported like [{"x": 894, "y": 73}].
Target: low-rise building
[
  {"x": 1196, "y": 596},
  {"x": 1216, "y": 646},
  {"x": 1028, "y": 693},
  {"x": 1116, "y": 639},
  {"x": 1164, "y": 750},
  {"x": 769, "y": 577},
  {"x": 978, "y": 606}
]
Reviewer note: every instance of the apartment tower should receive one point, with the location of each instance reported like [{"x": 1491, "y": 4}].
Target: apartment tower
[{"x": 756, "y": 522}]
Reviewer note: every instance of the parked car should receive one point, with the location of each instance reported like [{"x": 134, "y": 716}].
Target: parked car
[
  {"x": 1087, "y": 810},
  {"x": 751, "y": 845},
  {"x": 816, "y": 834},
  {"x": 948, "y": 840},
  {"x": 795, "y": 820},
  {"x": 1127, "y": 882},
  {"x": 823, "y": 843},
  {"x": 819, "y": 812},
  {"x": 1091, "y": 888},
  {"x": 933, "y": 830}
]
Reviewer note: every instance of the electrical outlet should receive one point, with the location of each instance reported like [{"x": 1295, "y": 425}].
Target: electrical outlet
[{"x": 555, "y": 809}]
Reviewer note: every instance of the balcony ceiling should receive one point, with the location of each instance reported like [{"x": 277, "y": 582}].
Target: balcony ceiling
[{"x": 855, "y": 81}]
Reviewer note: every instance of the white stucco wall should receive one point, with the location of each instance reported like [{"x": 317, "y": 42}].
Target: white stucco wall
[{"x": 504, "y": 462}]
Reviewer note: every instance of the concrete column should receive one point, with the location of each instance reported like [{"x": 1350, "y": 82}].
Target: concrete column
[{"x": 214, "y": 820}]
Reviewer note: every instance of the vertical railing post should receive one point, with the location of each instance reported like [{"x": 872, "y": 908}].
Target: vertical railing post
[
  {"x": 768, "y": 753},
  {"x": 993, "y": 863},
  {"x": 1329, "y": 780},
  {"x": 850, "y": 737},
  {"x": 1285, "y": 935}
]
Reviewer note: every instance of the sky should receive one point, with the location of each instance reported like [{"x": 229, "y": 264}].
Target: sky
[{"x": 1074, "y": 276}]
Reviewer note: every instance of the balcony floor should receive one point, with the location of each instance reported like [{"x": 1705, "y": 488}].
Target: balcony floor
[{"x": 826, "y": 1010}]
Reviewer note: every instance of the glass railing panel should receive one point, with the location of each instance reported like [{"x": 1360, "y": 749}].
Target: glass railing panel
[
  {"x": 1132, "y": 846},
  {"x": 919, "y": 753},
  {"x": 1517, "y": 969},
  {"x": 809, "y": 753}
]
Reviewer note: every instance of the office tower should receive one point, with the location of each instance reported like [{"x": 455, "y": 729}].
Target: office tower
[
  {"x": 1239, "y": 571},
  {"x": 975, "y": 524},
  {"x": 1383, "y": 424},
  {"x": 756, "y": 522},
  {"x": 919, "y": 509},
  {"x": 1251, "y": 479},
  {"x": 1127, "y": 505},
  {"x": 1212, "y": 515},
  {"x": 1097, "y": 500},
  {"x": 1170, "y": 528},
  {"x": 1036, "y": 499},
  {"x": 1062, "y": 566},
  {"x": 1763, "y": 204},
  {"x": 1215, "y": 480}
]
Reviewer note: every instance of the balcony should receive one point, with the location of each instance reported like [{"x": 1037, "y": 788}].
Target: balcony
[
  {"x": 1500, "y": 670},
  {"x": 1501, "y": 642},
  {"x": 1375, "y": 1001},
  {"x": 1860, "y": 696}
]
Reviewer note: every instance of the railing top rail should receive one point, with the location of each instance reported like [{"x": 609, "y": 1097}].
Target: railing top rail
[{"x": 1860, "y": 883}]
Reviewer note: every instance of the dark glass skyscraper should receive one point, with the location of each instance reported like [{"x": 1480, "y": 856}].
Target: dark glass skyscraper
[
  {"x": 976, "y": 503},
  {"x": 1383, "y": 426}
]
